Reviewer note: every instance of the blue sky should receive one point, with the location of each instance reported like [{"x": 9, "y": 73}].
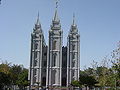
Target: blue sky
[{"x": 98, "y": 22}]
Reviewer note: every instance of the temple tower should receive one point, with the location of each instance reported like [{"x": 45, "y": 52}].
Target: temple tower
[
  {"x": 38, "y": 57},
  {"x": 54, "y": 61},
  {"x": 73, "y": 54}
]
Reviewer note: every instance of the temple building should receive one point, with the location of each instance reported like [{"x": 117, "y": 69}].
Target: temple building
[{"x": 54, "y": 64}]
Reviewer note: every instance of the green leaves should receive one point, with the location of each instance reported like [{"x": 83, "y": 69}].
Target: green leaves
[
  {"x": 87, "y": 80},
  {"x": 13, "y": 75},
  {"x": 76, "y": 83}
]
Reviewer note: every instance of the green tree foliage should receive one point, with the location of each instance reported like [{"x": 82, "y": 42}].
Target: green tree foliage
[
  {"x": 15, "y": 72},
  {"x": 13, "y": 75},
  {"x": 5, "y": 67},
  {"x": 116, "y": 60},
  {"x": 102, "y": 73},
  {"x": 5, "y": 75},
  {"x": 116, "y": 65},
  {"x": 22, "y": 81},
  {"x": 76, "y": 83},
  {"x": 87, "y": 80},
  {"x": 105, "y": 72},
  {"x": 4, "y": 80}
]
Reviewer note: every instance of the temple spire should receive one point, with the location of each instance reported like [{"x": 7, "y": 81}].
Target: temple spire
[
  {"x": 56, "y": 12},
  {"x": 73, "y": 26},
  {"x": 56, "y": 16},
  {"x": 73, "y": 19},
  {"x": 37, "y": 27},
  {"x": 38, "y": 22}
]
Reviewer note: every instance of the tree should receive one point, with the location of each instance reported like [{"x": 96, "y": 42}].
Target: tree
[
  {"x": 5, "y": 67},
  {"x": 116, "y": 60},
  {"x": 13, "y": 75},
  {"x": 15, "y": 72},
  {"x": 22, "y": 81},
  {"x": 87, "y": 80},
  {"x": 5, "y": 78},
  {"x": 76, "y": 83},
  {"x": 116, "y": 65}
]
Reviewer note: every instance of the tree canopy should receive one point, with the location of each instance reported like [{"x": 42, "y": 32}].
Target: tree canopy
[{"x": 13, "y": 75}]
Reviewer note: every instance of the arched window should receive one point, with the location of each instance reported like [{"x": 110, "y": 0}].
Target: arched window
[
  {"x": 73, "y": 56},
  {"x": 34, "y": 79},
  {"x": 36, "y": 45},
  {"x": 44, "y": 81},
  {"x": 35, "y": 62},
  {"x": 36, "y": 54},
  {"x": 73, "y": 47},
  {"x": 54, "y": 76},
  {"x": 73, "y": 75},
  {"x": 54, "y": 45},
  {"x": 35, "y": 71},
  {"x": 73, "y": 64},
  {"x": 54, "y": 60}
]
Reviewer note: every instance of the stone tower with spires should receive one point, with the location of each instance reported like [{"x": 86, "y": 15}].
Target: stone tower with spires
[
  {"x": 54, "y": 65},
  {"x": 54, "y": 62},
  {"x": 73, "y": 53},
  {"x": 38, "y": 57}
]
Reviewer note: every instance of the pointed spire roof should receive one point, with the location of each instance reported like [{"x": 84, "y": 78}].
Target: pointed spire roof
[
  {"x": 56, "y": 18},
  {"x": 37, "y": 27},
  {"x": 38, "y": 22},
  {"x": 73, "y": 24},
  {"x": 56, "y": 21}
]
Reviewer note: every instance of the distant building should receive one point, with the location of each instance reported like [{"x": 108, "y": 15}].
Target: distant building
[{"x": 53, "y": 64}]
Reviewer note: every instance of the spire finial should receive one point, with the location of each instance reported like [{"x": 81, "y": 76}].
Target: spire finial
[
  {"x": 38, "y": 23},
  {"x": 73, "y": 18},
  {"x": 38, "y": 17},
  {"x": 38, "y": 14},
  {"x": 56, "y": 14}
]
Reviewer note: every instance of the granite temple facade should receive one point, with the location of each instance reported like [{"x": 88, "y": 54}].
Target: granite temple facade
[{"x": 54, "y": 64}]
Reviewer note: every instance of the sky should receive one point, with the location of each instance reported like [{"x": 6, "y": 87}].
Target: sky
[{"x": 98, "y": 22}]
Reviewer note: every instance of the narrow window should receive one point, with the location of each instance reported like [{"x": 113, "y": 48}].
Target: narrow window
[
  {"x": 54, "y": 45},
  {"x": 34, "y": 79},
  {"x": 54, "y": 60},
  {"x": 35, "y": 72},
  {"x": 73, "y": 64},
  {"x": 36, "y": 46},
  {"x": 54, "y": 75},
  {"x": 45, "y": 64},
  {"x": 36, "y": 54},
  {"x": 35, "y": 63},
  {"x": 73, "y": 74},
  {"x": 73, "y": 47},
  {"x": 73, "y": 56}
]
